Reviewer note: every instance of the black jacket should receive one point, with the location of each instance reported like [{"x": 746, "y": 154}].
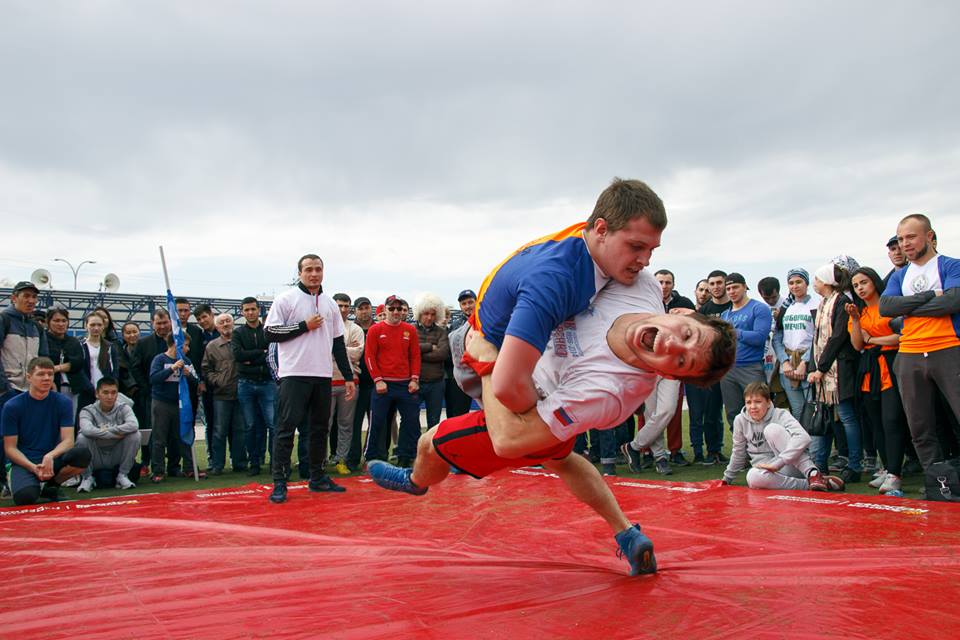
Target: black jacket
[
  {"x": 67, "y": 350},
  {"x": 250, "y": 350}
]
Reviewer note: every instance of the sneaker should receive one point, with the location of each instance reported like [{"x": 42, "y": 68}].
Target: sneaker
[
  {"x": 710, "y": 459},
  {"x": 71, "y": 482},
  {"x": 720, "y": 458},
  {"x": 816, "y": 481},
  {"x": 663, "y": 467},
  {"x": 890, "y": 484},
  {"x": 834, "y": 483},
  {"x": 86, "y": 485},
  {"x": 878, "y": 481},
  {"x": 51, "y": 492},
  {"x": 123, "y": 482},
  {"x": 879, "y": 472},
  {"x": 869, "y": 464},
  {"x": 838, "y": 463},
  {"x": 157, "y": 479},
  {"x": 144, "y": 472},
  {"x": 342, "y": 468},
  {"x": 697, "y": 458},
  {"x": 325, "y": 485},
  {"x": 849, "y": 476},
  {"x": 394, "y": 478},
  {"x": 646, "y": 461},
  {"x": 279, "y": 494},
  {"x": 637, "y": 549},
  {"x": 609, "y": 469},
  {"x": 677, "y": 459},
  {"x": 5, "y": 491},
  {"x": 633, "y": 457}
]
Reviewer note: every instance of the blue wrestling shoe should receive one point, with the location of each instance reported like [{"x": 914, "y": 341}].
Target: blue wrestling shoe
[
  {"x": 638, "y": 549},
  {"x": 394, "y": 478}
]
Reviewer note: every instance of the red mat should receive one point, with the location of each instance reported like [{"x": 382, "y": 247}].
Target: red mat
[{"x": 512, "y": 556}]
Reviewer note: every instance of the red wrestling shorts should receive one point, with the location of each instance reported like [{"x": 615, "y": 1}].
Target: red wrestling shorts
[{"x": 464, "y": 443}]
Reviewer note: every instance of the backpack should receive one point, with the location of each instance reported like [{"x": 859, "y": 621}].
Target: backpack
[{"x": 942, "y": 482}]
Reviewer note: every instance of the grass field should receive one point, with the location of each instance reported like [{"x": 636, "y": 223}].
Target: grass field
[{"x": 692, "y": 473}]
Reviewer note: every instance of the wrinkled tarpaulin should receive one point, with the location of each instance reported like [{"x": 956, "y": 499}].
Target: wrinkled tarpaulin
[{"x": 512, "y": 556}]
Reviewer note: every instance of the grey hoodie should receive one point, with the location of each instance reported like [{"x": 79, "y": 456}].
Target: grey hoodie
[
  {"x": 118, "y": 423},
  {"x": 748, "y": 441}
]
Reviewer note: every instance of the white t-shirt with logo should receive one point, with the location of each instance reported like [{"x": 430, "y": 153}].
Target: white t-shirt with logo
[
  {"x": 583, "y": 384},
  {"x": 919, "y": 279}
]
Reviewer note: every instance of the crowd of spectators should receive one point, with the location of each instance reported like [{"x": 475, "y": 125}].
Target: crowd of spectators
[{"x": 882, "y": 353}]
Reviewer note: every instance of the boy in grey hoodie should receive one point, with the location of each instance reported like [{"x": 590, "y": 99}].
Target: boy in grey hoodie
[
  {"x": 776, "y": 445},
  {"x": 109, "y": 429}
]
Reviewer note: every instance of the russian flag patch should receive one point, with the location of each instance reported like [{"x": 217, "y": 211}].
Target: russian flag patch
[{"x": 563, "y": 417}]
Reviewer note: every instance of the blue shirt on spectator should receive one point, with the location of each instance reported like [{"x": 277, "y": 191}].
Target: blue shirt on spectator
[
  {"x": 37, "y": 423},
  {"x": 164, "y": 383},
  {"x": 752, "y": 322}
]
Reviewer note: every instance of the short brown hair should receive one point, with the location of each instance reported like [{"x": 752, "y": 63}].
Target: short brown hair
[
  {"x": 172, "y": 339},
  {"x": 40, "y": 362},
  {"x": 757, "y": 389},
  {"x": 625, "y": 200},
  {"x": 723, "y": 351}
]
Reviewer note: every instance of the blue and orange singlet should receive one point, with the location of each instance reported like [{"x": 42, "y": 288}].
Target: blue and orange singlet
[{"x": 537, "y": 287}]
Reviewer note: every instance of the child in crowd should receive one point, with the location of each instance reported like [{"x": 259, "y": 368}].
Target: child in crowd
[{"x": 776, "y": 446}]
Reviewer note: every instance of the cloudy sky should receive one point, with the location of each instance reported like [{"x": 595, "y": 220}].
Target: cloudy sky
[{"x": 414, "y": 145}]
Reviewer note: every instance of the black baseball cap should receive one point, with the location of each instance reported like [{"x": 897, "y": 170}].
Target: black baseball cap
[
  {"x": 23, "y": 285},
  {"x": 360, "y": 302},
  {"x": 891, "y": 241},
  {"x": 466, "y": 293},
  {"x": 736, "y": 278}
]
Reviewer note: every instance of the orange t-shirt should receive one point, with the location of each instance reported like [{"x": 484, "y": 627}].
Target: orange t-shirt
[{"x": 877, "y": 326}]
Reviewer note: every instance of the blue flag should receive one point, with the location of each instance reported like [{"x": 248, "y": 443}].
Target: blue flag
[{"x": 186, "y": 409}]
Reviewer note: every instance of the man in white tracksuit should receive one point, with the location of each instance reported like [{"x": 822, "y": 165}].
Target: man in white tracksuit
[{"x": 776, "y": 446}]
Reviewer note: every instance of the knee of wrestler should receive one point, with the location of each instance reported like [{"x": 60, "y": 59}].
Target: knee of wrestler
[
  {"x": 758, "y": 478},
  {"x": 79, "y": 457},
  {"x": 27, "y": 495},
  {"x": 425, "y": 443}
]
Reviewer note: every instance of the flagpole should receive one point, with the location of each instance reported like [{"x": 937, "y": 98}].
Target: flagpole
[{"x": 166, "y": 280}]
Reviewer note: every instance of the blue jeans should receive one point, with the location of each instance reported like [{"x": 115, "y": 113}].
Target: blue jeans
[
  {"x": 820, "y": 445},
  {"x": 258, "y": 402},
  {"x": 706, "y": 418},
  {"x": 795, "y": 396},
  {"x": 228, "y": 422},
  {"x": 408, "y": 406},
  {"x": 432, "y": 395}
]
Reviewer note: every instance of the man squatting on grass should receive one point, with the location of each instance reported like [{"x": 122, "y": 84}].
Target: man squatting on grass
[
  {"x": 776, "y": 446},
  {"x": 597, "y": 368}
]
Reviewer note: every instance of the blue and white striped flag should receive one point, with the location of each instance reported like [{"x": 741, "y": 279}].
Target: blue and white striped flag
[{"x": 186, "y": 409}]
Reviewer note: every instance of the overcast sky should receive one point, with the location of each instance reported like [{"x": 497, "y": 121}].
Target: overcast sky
[{"x": 414, "y": 145}]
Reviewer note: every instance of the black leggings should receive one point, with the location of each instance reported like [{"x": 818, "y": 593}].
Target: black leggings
[{"x": 892, "y": 440}]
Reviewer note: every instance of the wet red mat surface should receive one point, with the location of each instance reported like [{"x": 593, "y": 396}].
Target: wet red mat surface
[{"x": 512, "y": 556}]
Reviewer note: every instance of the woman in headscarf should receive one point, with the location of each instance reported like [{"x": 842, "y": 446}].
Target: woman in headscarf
[{"x": 833, "y": 367}]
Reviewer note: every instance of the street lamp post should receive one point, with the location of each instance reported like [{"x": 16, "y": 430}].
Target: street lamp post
[{"x": 75, "y": 271}]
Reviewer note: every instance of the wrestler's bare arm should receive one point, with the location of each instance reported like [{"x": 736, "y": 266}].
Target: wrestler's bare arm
[
  {"x": 513, "y": 435},
  {"x": 513, "y": 376}
]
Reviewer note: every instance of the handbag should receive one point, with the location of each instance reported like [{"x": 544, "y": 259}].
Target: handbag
[
  {"x": 942, "y": 482},
  {"x": 817, "y": 416}
]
